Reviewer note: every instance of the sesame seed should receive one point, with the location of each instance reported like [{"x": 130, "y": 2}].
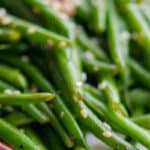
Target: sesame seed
[
  {"x": 8, "y": 91},
  {"x": 107, "y": 134},
  {"x": 56, "y": 6},
  {"x": 16, "y": 92},
  {"x": 84, "y": 113},
  {"x": 36, "y": 10},
  {"x": 50, "y": 43},
  {"x": 6, "y": 20},
  {"x": 102, "y": 85},
  {"x": 125, "y": 35},
  {"x": 89, "y": 55},
  {"x": 84, "y": 76},
  {"x": 62, "y": 44},
  {"x": 79, "y": 84},
  {"x": 31, "y": 30}
]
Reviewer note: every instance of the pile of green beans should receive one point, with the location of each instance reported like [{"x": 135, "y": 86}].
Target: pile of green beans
[{"x": 64, "y": 76}]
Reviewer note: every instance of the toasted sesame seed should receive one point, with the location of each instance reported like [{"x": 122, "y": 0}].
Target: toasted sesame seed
[
  {"x": 107, "y": 134},
  {"x": 84, "y": 113},
  {"x": 62, "y": 44},
  {"x": 50, "y": 43},
  {"x": 36, "y": 10}
]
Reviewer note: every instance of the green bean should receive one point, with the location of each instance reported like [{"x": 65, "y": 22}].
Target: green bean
[
  {"x": 24, "y": 99},
  {"x": 137, "y": 98},
  {"x": 31, "y": 109},
  {"x": 55, "y": 123},
  {"x": 8, "y": 35},
  {"x": 13, "y": 76},
  {"x": 59, "y": 107},
  {"x": 117, "y": 38},
  {"x": 18, "y": 8},
  {"x": 88, "y": 45},
  {"x": 37, "y": 114},
  {"x": 71, "y": 74},
  {"x": 51, "y": 18},
  {"x": 87, "y": 118},
  {"x": 18, "y": 118},
  {"x": 140, "y": 73},
  {"x": 145, "y": 11},
  {"x": 4, "y": 86},
  {"x": 93, "y": 124},
  {"x": 140, "y": 27},
  {"x": 98, "y": 15},
  {"x": 14, "y": 48},
  {"x": 93, "y": 65},
  {"x": 15, "y": 138},
  {"x": 121, "y": 122},
  {"x": 79, "y": 148},
  {"x": 143, "y": 121},
  {"x": 82, "y": 9},
  {"x": 111, "y": 92},
  {"x": 50, "y": 138},
  {"x": 33, "y": 32},
  {"x": 34, "y": 137}
]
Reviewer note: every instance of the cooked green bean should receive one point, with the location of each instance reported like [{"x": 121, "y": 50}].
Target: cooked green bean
[
  {"x": 13, "y": 76},
  {"x": 24, "y": 99},
  {"x": 33, "y": 32},
  {"x": 15, "y": 138}
]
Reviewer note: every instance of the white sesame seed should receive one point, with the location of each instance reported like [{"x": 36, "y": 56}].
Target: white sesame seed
[
  {"x": 84, "y": 113},
  {"x": 125, "y": 35},
  {"x": 102, "y": 85},
  {"x": 62, "y": 44},
  {"x": 84, "y": 76},
  {"x": 6, "y": 20},
  {"x": 31, "y": 30},
  {"x": 16, "y": 92},
  {"x": 46, "y": 2},
  {"x": 8, "y": 91},
  {"x": 107, "y": 134},
  {"x": 79, "y": 84},
  {"x": 89, "y": 55},
  {"x": 56, "y": 5}
]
